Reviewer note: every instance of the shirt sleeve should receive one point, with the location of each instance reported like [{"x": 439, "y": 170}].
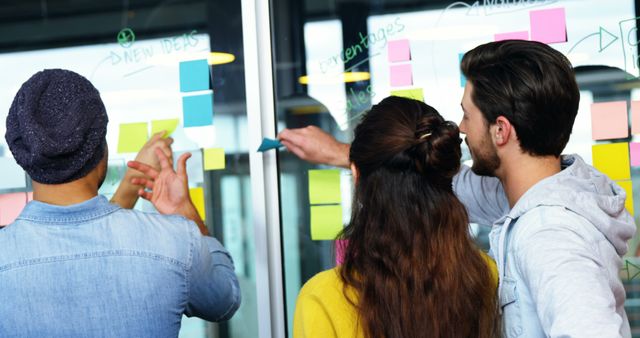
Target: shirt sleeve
[
  {"x": 214, "y": 292},
  {"x": 569, "y": 284},
  {"x": 483, "y": 196}
]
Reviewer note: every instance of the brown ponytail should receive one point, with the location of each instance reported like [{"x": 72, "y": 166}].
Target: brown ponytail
[{"x": 416, "y": 271}]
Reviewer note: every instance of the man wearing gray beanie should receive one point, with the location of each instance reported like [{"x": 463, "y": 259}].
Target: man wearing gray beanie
[{"x": 75, "y": 265}]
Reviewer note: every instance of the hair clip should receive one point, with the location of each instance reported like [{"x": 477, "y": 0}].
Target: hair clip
[{"x": 425, "y": 135}]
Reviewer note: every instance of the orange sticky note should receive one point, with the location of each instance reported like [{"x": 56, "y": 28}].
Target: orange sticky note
[{"x": 609, "y": 120}]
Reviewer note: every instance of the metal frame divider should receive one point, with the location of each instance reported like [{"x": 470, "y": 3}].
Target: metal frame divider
[{"x": 263, "y": 167}]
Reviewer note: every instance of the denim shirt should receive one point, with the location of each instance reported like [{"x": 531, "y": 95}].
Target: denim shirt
[{"x": 96, "y": 270}]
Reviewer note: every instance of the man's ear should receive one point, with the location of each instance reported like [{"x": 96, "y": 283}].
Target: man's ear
[
  {"x": 502, "y": 130},
  {"x": 354, "y": 173}
]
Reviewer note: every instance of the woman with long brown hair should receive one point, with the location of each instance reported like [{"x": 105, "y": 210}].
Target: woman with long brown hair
[{"x": 411, "y": 268}]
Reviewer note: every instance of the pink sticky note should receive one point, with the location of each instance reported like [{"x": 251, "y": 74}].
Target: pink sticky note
[
  {"x": 341, "y": 247},
  {"x": 11, "y": 205},
  {"x": 401, "y": 75},
  {"x": 634, "y": 153},
  {"x": 635, "y": 117},
  {"x": 522, "y": 35},
  {"x": 548, "y": 25},
  {"x": 609, "y": 120},
  {"x": 399, "y": 50}
]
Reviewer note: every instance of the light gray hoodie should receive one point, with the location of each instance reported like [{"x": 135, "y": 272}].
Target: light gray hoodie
[{"x": 559, "y": 251}]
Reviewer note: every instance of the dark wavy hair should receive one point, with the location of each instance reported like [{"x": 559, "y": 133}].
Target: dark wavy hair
[
  {"x": 410, "y": 258},
  {"x": 529, "y": 83}
]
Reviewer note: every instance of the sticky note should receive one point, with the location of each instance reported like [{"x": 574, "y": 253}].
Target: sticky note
[
  {"x": 612, "y": 159},
  {"x": 197, "y": 197},
  {"x": 268, "y": 144},
  {"x": 548, "y": 25},
  {"x": 609, "y": 120},
  {"x": 194, "y": 75},
  {"x": 324, "y": 186},
  {"x": 463, "y": 79},
  {"x": 168, "y": 125},
  {"x": 401, "y": 75},
  {"x": 12, "y": 174},
  {"x": 628, "y": 202},
  {"x": 326, "y": 222},
  {"x": 399, "y": 50},
  {"x": 415, "y": 93},
  {"x": 521, "y": 35},
  {"x": 132, "y": 137},
  {"x": 634, "y": 154},
  {"x": 341, "y": 247},
  {"x": 11, "y": 205},
  {"x": 635, "y": 117},
  {"x": 214, "y": 159},
  {"x": 198, "y": 110}
]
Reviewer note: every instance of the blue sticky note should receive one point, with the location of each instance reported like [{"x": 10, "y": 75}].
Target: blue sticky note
[
  {"x": 463, "y": 79},
  {"x": 194, "y": 75},
  {"x": 197, "y": 110},
  {"x": 268, "y": 144}
]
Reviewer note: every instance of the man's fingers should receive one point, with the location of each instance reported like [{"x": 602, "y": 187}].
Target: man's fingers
[
  {"x": 157, "y": 136},
  {"x": 145, "y": 194},
  {"x": 295, "y": 150},
  {"x": 164, "y": 160},
  {"x": 144, "y": 168},
  {"x": 182, "y": 164},
  {"x": 149, "y": 184}
]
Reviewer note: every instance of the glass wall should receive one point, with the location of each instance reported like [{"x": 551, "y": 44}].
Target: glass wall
[
  {"x": 138, "y": 54},
  {"x": 333, "y": 59}
]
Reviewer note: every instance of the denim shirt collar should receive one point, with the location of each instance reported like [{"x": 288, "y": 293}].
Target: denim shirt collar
[{"x": 72, "y": 214}]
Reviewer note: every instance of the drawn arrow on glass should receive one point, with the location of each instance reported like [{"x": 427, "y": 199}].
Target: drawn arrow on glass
[
  {"x": 606, "y": 39},
  {"x": 629, "y": 275},
  {"x": 475, "y": 6}
]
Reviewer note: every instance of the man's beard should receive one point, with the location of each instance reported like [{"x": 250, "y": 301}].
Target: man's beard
[{"x": 485, "y": 159}]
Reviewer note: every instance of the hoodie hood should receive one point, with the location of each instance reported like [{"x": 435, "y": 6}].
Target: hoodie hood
[{"x": 587, "y": 192}]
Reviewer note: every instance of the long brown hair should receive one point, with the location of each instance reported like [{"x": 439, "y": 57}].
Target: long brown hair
[{"x": 410, "y": 259}]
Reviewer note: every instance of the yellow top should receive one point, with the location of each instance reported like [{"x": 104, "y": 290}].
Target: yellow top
[{"x": 322, "y": 311}]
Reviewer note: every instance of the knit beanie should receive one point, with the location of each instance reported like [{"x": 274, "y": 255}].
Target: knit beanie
[{"x": 56, "y": 126}]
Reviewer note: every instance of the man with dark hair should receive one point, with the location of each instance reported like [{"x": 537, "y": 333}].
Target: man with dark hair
[
  {"x": 75, "y": 265},
  {"x": 560, "y": 228}
]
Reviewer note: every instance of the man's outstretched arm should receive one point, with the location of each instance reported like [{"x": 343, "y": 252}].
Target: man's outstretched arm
[{"x": 314, "y": 145}]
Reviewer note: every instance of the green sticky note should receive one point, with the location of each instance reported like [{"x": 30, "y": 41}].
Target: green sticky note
[
  {"x": 214, "y": 159},
  {"x": 612, "y": 159},
  {"x": 324, "y": 186},
  {"x": 415, "y": 93},
  {"x": 132, "y": 137},
  {"x": 326, "y": 222},
  {"x": 168, "y": 125}
]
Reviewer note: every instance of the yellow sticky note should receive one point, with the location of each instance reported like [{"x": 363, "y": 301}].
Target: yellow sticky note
[
  {"x": 168, "y": 125},
  {"x": 197, "y": 197},
  {"x": 628, "y": 203},
  {"x": 326, "y": 222},
  {"x": 324, "y": 186},
  {"x": 612, "y": 159},
  {"x": 214, "y": 159},
  {"x": 415, "y": 93},
  {"x": 132, "y": 137}
]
